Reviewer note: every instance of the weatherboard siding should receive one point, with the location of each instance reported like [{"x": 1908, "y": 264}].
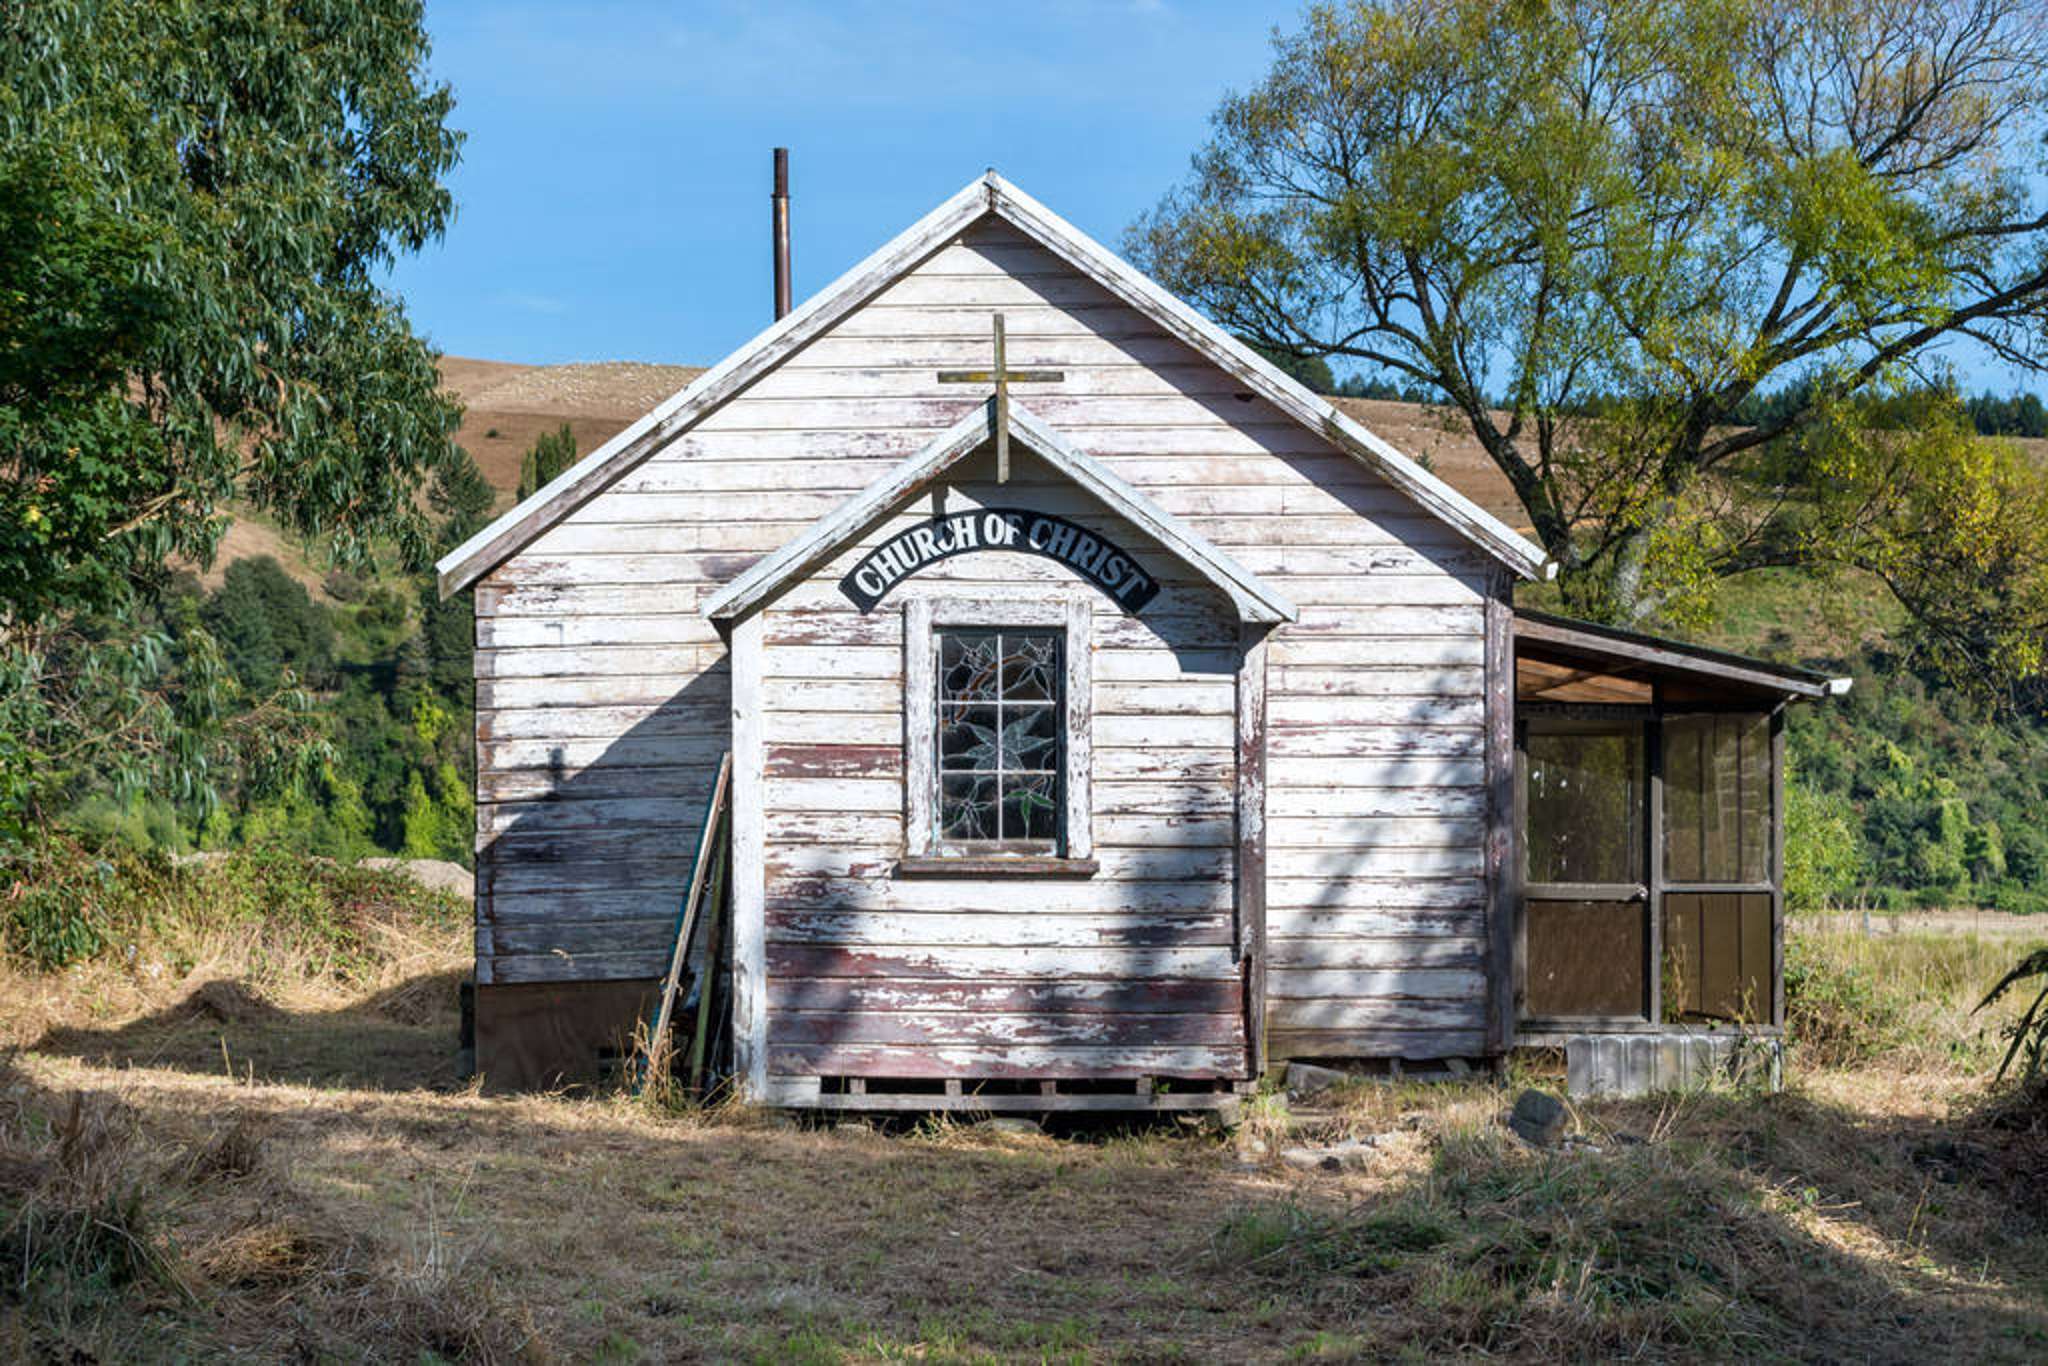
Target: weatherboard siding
[
  {"x": 1134, "y": 972},
  {"x": 600, "y": 683}
]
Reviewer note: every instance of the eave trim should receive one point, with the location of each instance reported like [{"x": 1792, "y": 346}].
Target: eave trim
[{"x": 1254, "y": 599}]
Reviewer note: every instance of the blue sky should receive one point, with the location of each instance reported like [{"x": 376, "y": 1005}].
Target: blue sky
[{"x": 612, "y": 201}]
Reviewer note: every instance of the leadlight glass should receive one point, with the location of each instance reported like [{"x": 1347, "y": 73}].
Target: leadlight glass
[{"x": 999, "y": 737}]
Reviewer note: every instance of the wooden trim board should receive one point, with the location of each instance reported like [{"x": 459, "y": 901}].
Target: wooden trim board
[
  {"x": 749, "y": 869},
  {"x": 1250, "y": 849},
  {"x": 1675, "y": 656},
  {"x": 1254, "y": 599},
  {"x": 1503, "y": 867}
]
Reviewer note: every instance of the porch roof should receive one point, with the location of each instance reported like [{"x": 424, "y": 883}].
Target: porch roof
[{"x": 1558, "y": 659}]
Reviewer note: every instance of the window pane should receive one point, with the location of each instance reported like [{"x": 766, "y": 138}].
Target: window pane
[
  {"x": 1586, "y": 958},
  {"x": 1717, "y": 956},
  {"x": 999, "y": 737},
  {"x": 1031, "y": 738},
  {"x": 1030, "y": 667},
  {"x": 1717, "y": 799},
  {"x": 1585, "y": 806},
  {"x": 1031, "y": 810},
  {"x": 967, "y": 665},
  {"x": 967, "y": 807},
  {"x": 967, "y": 736}
]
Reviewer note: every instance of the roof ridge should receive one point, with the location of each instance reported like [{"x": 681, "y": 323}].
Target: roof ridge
[{"x": 988, "y": 194}]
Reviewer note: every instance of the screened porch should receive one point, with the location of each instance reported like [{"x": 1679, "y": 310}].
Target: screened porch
[{"x": 1649, "y": 794}]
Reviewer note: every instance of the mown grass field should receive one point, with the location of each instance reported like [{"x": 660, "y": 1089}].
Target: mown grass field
[{"x": 236, "y": 1144}]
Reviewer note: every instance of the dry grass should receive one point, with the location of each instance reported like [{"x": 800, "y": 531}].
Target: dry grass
[
  {"x": 1906, "y": 1000},
  {"x": 312, "y": 1182}
]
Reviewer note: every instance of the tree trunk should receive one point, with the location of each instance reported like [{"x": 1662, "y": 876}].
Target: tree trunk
[{"x": 1625, "y": 593}]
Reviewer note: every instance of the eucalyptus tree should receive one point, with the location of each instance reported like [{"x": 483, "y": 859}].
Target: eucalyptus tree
[
  {"x": 1601, "y": 231},
  {"x": 197, "y": 198}
]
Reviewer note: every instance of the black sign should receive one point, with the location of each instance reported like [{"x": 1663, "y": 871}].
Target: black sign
[{"x": 1106, "y": 566}]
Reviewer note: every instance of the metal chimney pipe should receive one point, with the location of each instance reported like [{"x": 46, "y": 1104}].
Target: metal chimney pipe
[{"x": 780, "y": 202}]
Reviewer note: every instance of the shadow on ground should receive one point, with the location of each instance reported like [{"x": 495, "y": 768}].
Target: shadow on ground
[
  {"x": 400, "y": 1038},
  {"x": 1792, "y": 1226}
]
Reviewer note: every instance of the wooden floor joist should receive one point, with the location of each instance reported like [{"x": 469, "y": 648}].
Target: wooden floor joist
[
  {"x": 1014, "y": 1103},
  {"x": 980, "y": 1096}
]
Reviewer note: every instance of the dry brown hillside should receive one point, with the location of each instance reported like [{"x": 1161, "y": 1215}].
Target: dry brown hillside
[
  {"x": 1440, "y": 438},
  {"x": 505, "y": 406}
]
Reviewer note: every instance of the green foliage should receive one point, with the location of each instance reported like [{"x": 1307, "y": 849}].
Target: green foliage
[
  {"x": 71, "y": 901},
  {"x": 552, "y": 453},
  {"x": 268, "y": 626},
  {"x": 77, "y": 314},
  {"x": 1358, "y": 386},
  {"x": 197, "y": 200},
  {"x": 146, "y": 705},
  {"x": 336, "y": 731},
  {"x": 438, "y": 823},
  {"x": 397, "y": 720},
  {"x": 1823, "y": 849},
  {"x": 1600, "y": 231},
  {"x": 462, "y": 497},
  {"x": 138, "y": 826},
  {"x": 212, "y": 188},
  {"x": 1907, "y": 793},
  {"x": 2014, "y": 415}
]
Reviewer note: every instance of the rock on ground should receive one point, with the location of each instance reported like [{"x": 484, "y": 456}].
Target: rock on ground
[
  {"x": 1306, "y": 1079},
  {"x": 1010, "y": 1124},
  {"x": 1350, "y": 1154},
  {"x": 432, "y": 873},
  {"x": 1539, "y": 1118}
]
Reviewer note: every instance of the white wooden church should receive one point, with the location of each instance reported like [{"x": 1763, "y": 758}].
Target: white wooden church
[{"x": 1110, "y": 719}]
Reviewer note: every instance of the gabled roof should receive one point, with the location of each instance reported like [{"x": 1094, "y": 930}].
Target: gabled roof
[
  {"x": 1254, "y": 599},
  {"x": 989, "y": 195}
]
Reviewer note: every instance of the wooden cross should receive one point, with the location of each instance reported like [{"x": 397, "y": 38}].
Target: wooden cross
[{"x": 1002, "y": 377}]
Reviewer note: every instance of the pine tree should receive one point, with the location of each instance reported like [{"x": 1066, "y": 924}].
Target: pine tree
[{"x": 552, "y": 453}]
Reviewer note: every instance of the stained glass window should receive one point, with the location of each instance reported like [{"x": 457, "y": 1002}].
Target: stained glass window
[{"x": 999, "y": 737}]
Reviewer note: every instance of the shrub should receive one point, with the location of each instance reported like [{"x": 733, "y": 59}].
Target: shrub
[
  {"x": 1823, "y": 856},
  {"x": 1901, "y": 999},
  {"x": 73, "y": 902},
  {"x": 1835, "y": 1009},
  {"x": 2016, "y": 899}
]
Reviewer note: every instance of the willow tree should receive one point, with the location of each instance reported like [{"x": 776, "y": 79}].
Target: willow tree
[
  {"x": 196, "y": 200},
  {"x": 1601, "y": 232}
]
